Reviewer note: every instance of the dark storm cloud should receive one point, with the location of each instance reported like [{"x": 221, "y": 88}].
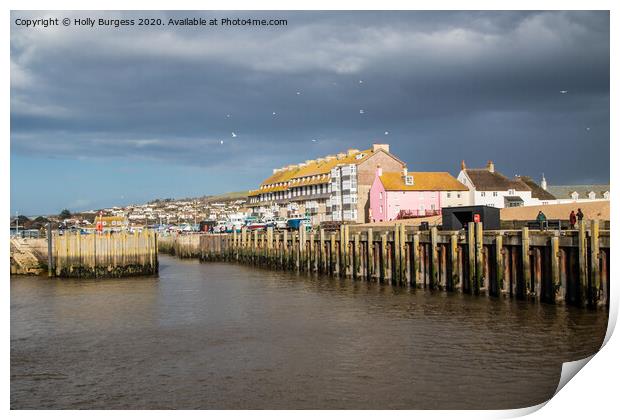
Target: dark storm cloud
[{"x": 446, "y": 86}]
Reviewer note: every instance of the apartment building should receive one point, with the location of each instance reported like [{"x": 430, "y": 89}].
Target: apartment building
[{"x": 331, "y": 188}]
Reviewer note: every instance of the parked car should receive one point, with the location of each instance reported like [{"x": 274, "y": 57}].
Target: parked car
[
  {"x": 295, "y": 223},
  {"x": 280, "y": 223}
]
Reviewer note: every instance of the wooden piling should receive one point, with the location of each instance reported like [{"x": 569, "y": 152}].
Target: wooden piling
[
  {"x": 322, "y": 253},
  {"x": 554, "y": 255},
  {"x": 595, "y": 274},
  {"x": 383, "y": 260},
  {"x": 395, "y": 254},
  {"x": 499, "y": 265},
  {"x": 356, "y": 256},
  {"x": 370, "y": 258},
  {"x": 403, "y": 254},
  {"x": 583, "y": 271},
  {"x": 471, "y": 247},
  {"x": 478, "y": 284},
  {"x": 453, "y": 279},
  {"x": 434, "y": 260},
  {"x": 526, "y": 273},
  {"x": 332, "y": 253},
  {"x": 415, "y": 259}
]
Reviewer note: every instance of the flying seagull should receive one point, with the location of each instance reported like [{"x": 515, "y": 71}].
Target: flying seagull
[
  {"x": 361, "y": 111},
  {"x": 386, "y": 133},
  {"x": 361, "y": 81},
  {"x": 233, "y": 134},
  {"x": 227, "y": 115},
  {"x": 314, "y": 140},
  {"x": 563, "y": 92},
  {"x": 221, "y": 141},
  {"x": 273, "y": 113}
]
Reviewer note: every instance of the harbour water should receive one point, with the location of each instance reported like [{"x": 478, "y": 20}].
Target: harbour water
[{"x": 218, "y": 335}]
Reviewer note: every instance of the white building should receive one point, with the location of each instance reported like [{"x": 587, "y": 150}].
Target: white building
[
  {"x": 487, "y": 187},
  {"x": 343, "y": 193}
]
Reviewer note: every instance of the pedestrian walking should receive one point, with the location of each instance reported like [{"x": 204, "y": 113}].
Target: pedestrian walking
[
  {"x": 579, "y": 217},
  {"x": 541, "y": 219},
  {"x": 572, "y": 219}
]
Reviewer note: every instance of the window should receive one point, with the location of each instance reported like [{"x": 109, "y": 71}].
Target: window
[
  {"x": 381, "y": 195},
  {"x": 511, "y": 192},
  {"x": 458, "y": 195},
  {"x": 482, "y": 194},
  {"x": 448, "y": 195},
  {"x": 494, "y": 193},
  {"x": 409, "y": 180},
  {"x": 381, "y": 209}
]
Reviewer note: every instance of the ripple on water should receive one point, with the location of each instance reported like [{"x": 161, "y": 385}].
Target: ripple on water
[{"x": 202, "y": 335}]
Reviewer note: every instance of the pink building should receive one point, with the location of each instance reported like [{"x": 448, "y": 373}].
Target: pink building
[{"x": 413, "y": 194}]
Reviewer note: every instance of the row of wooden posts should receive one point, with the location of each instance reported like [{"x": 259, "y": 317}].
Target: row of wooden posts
[
  {"x": 571, "y": 267},
  {"x": 108, "y": 254}
]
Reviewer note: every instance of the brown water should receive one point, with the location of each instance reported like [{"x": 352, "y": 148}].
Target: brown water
[{"x": 218, "y": 335}]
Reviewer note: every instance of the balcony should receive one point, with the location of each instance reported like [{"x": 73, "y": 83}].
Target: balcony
[{"x": 412, "y": 214}]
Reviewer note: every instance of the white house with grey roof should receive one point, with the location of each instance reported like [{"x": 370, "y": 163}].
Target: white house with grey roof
[{"x": 487, "y": 187}]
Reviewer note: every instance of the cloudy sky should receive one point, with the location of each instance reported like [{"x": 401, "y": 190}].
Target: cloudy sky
[{"x": 111, "y": 116}]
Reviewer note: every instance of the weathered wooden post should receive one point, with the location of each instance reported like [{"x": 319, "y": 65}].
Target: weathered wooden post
[
  {"x": 332, "y": 254},
  {"x": 479, "y": 258},
  {"x": 322, "y": 259},
  {"x": 383, "y": 260},
  {"x": 301, "y": 250},
  {"x": 434, "y": 257},
  {"x": 583, "y": 262},
  {"x": 341, "y": 252},
  {"x": 499, "y": 266},
  {"x": 284, "y": 256},
  {"x": 235, "y": 245},
  {"x": 50, "y": 256},
  {"x": 395, "y": 254},
  {"x": 356, "y": 255},
  {"x": 415, "y": 261},
  {"x": 525, "y": 261},
  {"x": 370, "y": 257},
  {"x": 603, "y": 293},
  {"x": 403, "y": 253},
  {"x": 471, "y": 248},
  {"x": 554, "y": 254},
  {"x": 269, "y": 245},
  {"x": 255, "y": 246},
  {"x": 595, "y": 273},
  {"x": 346, "y": 252},
  {"x": 277, "y": 257},
  {"x": 312, "y": 259},
  {"x": 453, "y": 281}
]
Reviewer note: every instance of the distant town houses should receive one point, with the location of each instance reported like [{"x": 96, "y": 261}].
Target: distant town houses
[
  {"x": 355, "y": 186},
  {"x": 157, "y": 213}
]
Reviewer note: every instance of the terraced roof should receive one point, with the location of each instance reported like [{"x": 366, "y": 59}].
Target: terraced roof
[
  {"x": 422, "y": 181},
  {"x": 317, "y": 168}
]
